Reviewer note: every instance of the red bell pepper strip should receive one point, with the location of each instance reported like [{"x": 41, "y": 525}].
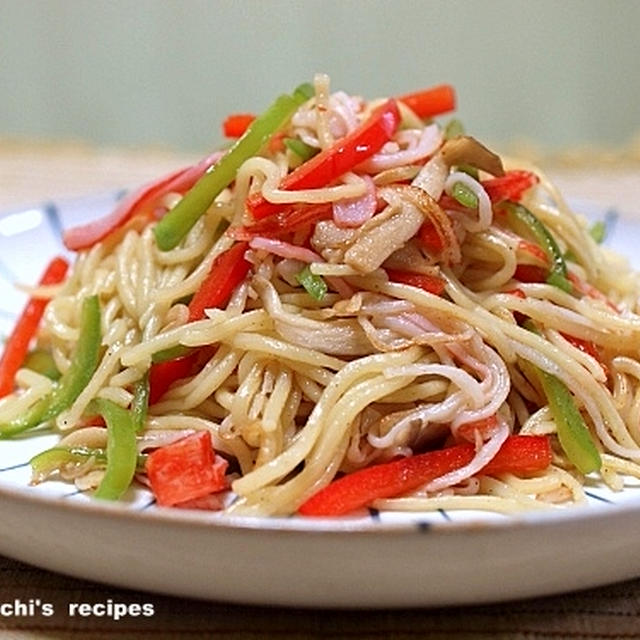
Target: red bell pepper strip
[
  {"x": 236, "y": 124},
  {"x": 430, "y": 239},
  {"x": 228, "y": 270},
  {"x": 143, "y": 202},
  {"x": 431, "y": 102},
  {"x": 449, "y": 203},
  {"x": 17, "y": 345},
  {"x": 287, "y": 221},
  {"x": 163, "y": 374},
  {"x": 186, "y": 470},
  {"x": 328, "y": 165},
  {"x": 534, "y": 250},
  {"x": 519, "y": 454},
  {"x": 530, "y": 273},
  {"x": 586, "y": 346},
  {"x": 430, "y": 284},
  {"x": 510, "y": 186}
]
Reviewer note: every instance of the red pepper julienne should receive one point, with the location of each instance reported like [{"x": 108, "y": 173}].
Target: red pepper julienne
[
  {"x": 510, "y": 186},
  {"x": 17, "y": 345},
  {"x": 431, "y": 102},
  {"x": 519, "y": 454},
  {"x": 236, "y": 124},
  {"x": 228, "y": 270},
  {"x": 430, "y": 284},
  {"x": 283, "y": 222},
  {"x": 163, "y": 374}
]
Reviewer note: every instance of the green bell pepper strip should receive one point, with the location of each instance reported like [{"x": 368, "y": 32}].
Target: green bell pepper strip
[
  {"x": 469, "y": 170},
  {"x": 598, "y": 231},
  {"x": 526, "y": 223},
  {"x": 175, "y": 225},
  {"x": 42, "y": 362},
  {"x": 72, "y": 382},
  {"x": 464, "y": 195},
  {"x": 313, "y": 284},
  {"x": 303, "y": 150},
  {"x": 453, "y": 129},
  {"x": 52, "y": 460},
  {"x": 304, "y": 92},
  {"x": 170, "y": 353},
  {"x": 46, "y": 462},
  {"x": 122, "y": 453},
  {"x": 140, "y": 402},
  {"x": 573, "y": 433}
]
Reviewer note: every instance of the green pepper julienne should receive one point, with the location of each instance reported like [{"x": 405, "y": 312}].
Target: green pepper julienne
[
  {"x": 41, "y": 361},
  {"x": 314, "y": 285},
  {"x": 140, "y": 402},
  {"x": 54, "y": 459},
  {"x": 464, "y": 195},
  {"x": 72, "y": 382},
  {"x": 573, "y": 433},
  {"x": 301, "y": 149},
  {"x": 175, "y": 225},
  {"x": 122, "y": 453},
  {"x": 527, "y": 223}
]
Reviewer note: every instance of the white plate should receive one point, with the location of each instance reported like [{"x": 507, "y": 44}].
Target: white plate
[{"x": 373, "y": 560}]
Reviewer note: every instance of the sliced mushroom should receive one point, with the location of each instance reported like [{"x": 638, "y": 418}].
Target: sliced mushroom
[
  {"x": 432, "y": 176},
  {"x": 399, "y": 222},
  {"x": 433, "y": 212},
  {"x": 463, "y": 150}
]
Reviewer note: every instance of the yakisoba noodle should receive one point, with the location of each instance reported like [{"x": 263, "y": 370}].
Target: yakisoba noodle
[{"x": 439, "y": 291}]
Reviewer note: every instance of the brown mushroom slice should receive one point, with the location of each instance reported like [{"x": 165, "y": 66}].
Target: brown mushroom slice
[
  {"x": 465, "y": 150},
  {"x": 432, "y": 176},
  {"x": 451, "y": 253},
  {"x": 379, "y": 241}
]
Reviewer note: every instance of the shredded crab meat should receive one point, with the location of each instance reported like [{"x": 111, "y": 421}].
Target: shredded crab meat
[
  {"x": 410, "y": 146},
  {"x": 343, "y": 113},
  {"x": 284, "y": 249},
  {"x": 484, "y": 455},
  {"x": 354, "y": 212}
]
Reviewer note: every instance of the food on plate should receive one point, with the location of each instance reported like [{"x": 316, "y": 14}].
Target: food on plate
[{"x": 356, "y": 304}]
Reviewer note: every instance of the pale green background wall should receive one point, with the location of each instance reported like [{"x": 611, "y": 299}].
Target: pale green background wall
[{"x": 151, "y": 72}]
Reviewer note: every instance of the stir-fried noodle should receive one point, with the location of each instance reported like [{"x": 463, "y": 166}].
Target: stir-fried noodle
[{"x": 428, "y": 296}]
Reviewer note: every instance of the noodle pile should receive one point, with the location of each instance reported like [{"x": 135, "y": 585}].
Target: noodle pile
[{"x": 297, "y": 390}]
